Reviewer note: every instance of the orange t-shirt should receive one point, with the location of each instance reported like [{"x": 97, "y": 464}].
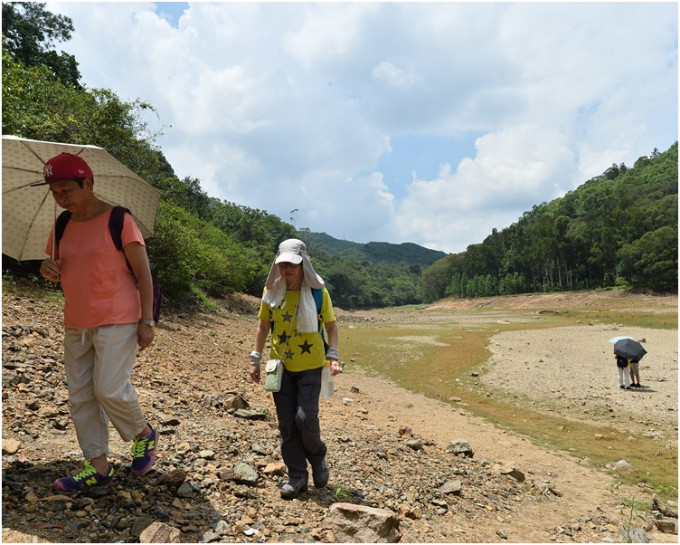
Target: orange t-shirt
[{"x": 99, "y": 288}]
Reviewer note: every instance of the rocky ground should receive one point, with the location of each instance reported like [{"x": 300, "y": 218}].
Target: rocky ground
[{"x": 218, "y": 469}]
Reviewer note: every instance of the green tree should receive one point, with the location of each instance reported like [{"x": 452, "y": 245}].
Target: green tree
[
  {"x": 37, "y": 106},
  {"x": 29, "y": 32},
  {"x": 652, "y": 261}
]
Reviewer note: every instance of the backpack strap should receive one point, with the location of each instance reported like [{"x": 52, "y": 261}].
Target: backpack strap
[
  {"x": 116, "y": 221},
  {"x": 60, "y": 225},
  {"x": 318, "y": 299},
  {"x": 116, "y": 225}
]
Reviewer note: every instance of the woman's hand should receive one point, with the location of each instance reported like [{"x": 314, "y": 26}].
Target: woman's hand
[
  {"x": 255, "y": 372},
  {"x": 51, "y": 269},
  {"x": 255, "y": 359},
  {"x": 336, "y": 368},
  {"x": 145, "y": 335}
]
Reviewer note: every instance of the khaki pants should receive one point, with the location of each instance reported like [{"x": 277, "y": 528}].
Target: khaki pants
[{"x": 98, "y": 364}]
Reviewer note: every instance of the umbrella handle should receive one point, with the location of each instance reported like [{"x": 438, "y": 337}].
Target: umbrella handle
[{"x": 54, "y": 243}]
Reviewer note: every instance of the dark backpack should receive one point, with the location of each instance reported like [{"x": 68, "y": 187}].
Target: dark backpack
[{"x": 116, "y": 230}]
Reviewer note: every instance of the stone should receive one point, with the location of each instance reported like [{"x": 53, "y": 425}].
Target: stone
[
  {"x": 405, "y": 431},
  {"x": 10, "y": 446},
  {"x": 221, "y": 527},
  {"x": 158, "y": 532},
  {"x": 620, "y": 466},
  {"x": 245, "y": 474},
  {"x": 185, "y": 490},
  {"x": 451, "y": 487},
  {"x": 139, "y": 524},
  {"x": 667, "y": 526},
  {"x": 250, "y": 414},
  {"x": 666, "y": 509},
  {"x": 351, "y": 523},
  {"x": 173, "y": 478},
  {"x": 514, "y": 473},
  {"x": 460, "y": 447},
  {"x": 634, "y": 535},
  {"x": 237, "y": 401},
  {"x": 415, "y": 444},
  {"x": 275, "y": 468}
]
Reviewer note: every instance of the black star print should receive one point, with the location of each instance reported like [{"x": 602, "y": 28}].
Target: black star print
[
  {"x": 283, "y": 338},
  {"x": 286, "y": 317},
  {"x": 288, "y": 355},
  {"x": 306, "y": 347}
]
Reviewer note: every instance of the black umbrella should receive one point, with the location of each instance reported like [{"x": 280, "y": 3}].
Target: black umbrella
[{"x": 629, "y": 349}]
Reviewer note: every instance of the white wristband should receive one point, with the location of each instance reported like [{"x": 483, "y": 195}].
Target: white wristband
[{"x": 255, "y": 357}]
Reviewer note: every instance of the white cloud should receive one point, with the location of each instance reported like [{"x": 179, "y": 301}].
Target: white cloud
[
  {"x": 450, "y": 205},
  {"x": 280, "y": 106},
  {"x": 393, "y": 75}
]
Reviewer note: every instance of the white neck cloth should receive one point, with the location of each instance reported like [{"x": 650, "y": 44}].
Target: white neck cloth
[{"x": 307, "y": 319}]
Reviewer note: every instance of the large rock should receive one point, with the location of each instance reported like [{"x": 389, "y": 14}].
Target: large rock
[
  {"x": 10, "y": 446},
  {"x": 667, "y": 526},
  {"x": 157, "y": 532},
  {"x": 352, "y": 523},
  {"x": 460, "y": 447},
  {"x": 245, "y": 474}
]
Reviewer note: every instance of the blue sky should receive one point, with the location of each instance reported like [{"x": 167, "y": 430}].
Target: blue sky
[{"x": 430, "y": 123}]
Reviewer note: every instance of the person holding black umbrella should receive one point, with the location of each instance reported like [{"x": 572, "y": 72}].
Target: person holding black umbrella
[
  {"x": 108, "y": 314},
  {"x": 628, "y": 353}
]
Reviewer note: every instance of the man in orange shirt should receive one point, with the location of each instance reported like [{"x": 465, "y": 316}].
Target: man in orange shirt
[{"x": 108, "y": 312}]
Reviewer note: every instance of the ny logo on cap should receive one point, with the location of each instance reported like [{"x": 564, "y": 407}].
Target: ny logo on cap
[{"x": 47, "y": 171}]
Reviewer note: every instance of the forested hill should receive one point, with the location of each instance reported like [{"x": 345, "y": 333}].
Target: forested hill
[
  {"x": 386, "y": 252},
  {"x": 620, "y": 228}
]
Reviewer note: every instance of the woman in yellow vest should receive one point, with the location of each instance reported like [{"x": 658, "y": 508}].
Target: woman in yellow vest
[{"x": 289, "y": 311}]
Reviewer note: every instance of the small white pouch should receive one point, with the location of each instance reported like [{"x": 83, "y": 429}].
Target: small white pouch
[{"x": 274, "y": 371}]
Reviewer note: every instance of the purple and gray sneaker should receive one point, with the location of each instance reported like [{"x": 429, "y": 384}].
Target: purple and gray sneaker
[
  {"x": 87, "y": 478},
  {"x": 143, "y": 453}
]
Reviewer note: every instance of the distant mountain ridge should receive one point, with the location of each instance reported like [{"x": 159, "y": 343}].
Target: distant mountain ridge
[{"x": 383, "y": 252}]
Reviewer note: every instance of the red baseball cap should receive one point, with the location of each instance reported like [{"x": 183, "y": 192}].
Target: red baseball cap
[{"x": 65, "y": 166}]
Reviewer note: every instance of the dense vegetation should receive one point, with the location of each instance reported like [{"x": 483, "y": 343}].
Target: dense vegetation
[
  {"x": 620, "y": 227},
  {"x": 617, "y": 228}
]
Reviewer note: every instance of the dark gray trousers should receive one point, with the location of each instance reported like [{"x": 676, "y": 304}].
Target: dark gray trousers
[{"x": 297, "y": 410}]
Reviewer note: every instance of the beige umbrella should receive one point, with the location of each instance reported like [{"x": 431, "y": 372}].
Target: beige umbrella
[{"x": 29, "y": 212}]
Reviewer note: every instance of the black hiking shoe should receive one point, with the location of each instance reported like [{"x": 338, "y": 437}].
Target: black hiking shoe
[
  {"x": 294, "y": 487},
  {"x": 320, "y": 474}
]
